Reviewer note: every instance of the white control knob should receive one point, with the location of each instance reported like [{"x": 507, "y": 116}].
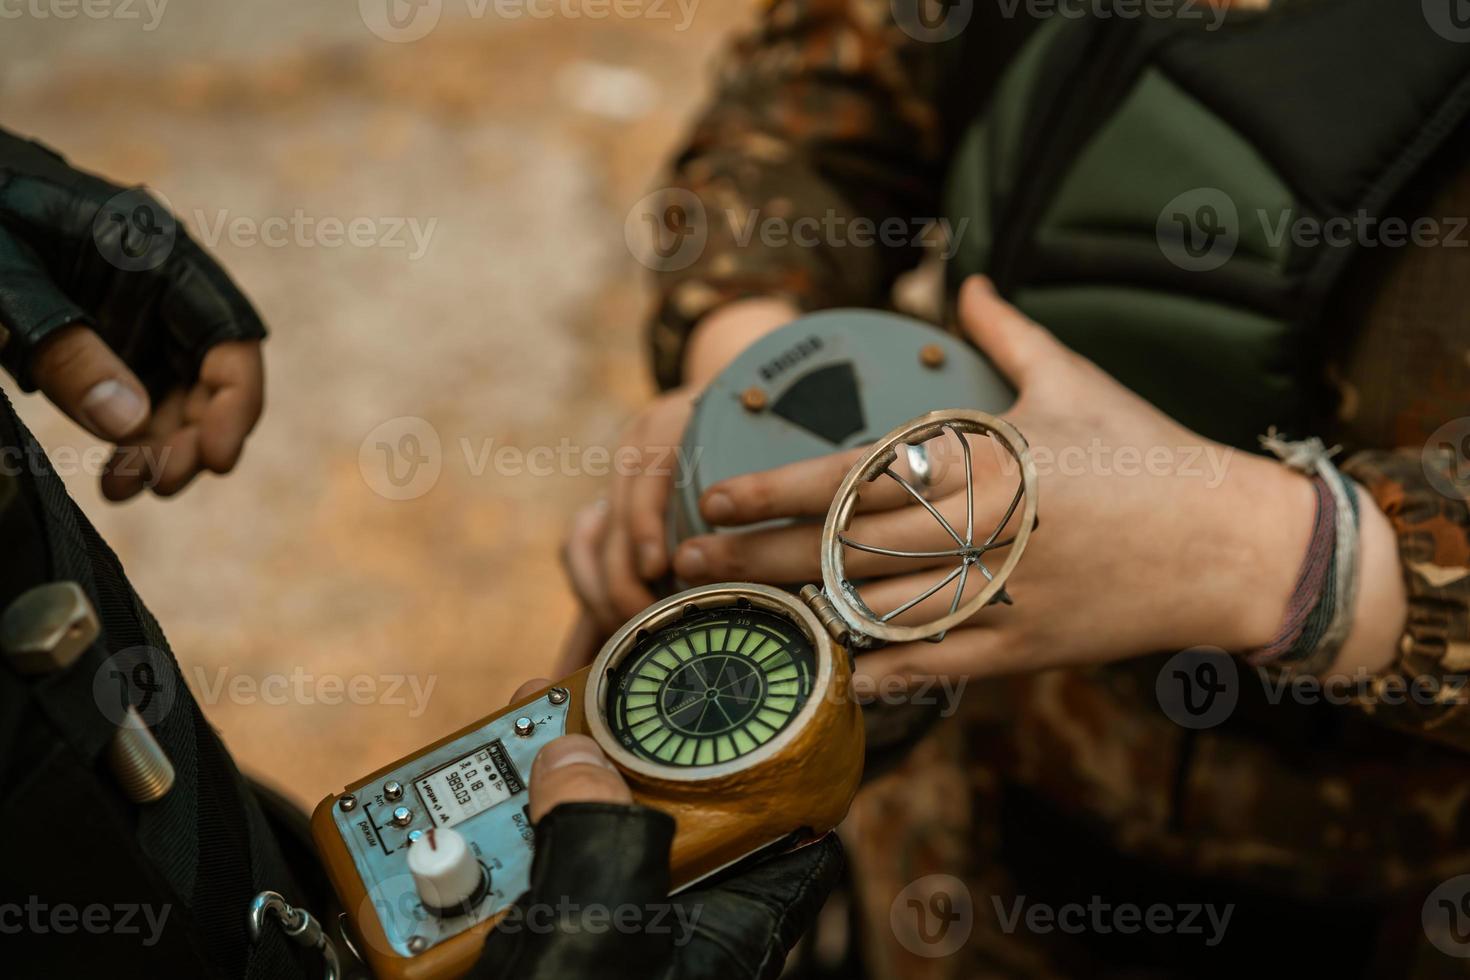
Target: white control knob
[{"x": 446, "y": 872}]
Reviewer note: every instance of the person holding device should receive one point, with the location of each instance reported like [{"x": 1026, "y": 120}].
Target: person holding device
[
  {"x": 1116, "y": 268},
  {"x": 132, "y": 330}
]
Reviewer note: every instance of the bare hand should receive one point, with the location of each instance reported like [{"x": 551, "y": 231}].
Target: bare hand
[
  {"x": 1150, "y": 536},
  {"x": 617, "y": 545}
]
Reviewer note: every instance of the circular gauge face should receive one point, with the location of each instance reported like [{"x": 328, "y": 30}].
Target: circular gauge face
[{"x": 713, "y": 687}]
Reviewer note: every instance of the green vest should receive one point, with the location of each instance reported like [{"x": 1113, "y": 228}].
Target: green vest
[{"x": 1150, "y": 190}]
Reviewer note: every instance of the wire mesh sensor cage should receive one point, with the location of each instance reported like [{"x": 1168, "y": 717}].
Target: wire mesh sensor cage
[{"x": 970, "y": 544}]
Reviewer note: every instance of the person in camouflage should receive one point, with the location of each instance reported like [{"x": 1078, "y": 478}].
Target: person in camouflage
[{"x": 1333, "y": 828}]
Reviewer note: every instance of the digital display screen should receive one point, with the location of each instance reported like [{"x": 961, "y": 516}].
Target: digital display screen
[{"x": 469, "y": 785}]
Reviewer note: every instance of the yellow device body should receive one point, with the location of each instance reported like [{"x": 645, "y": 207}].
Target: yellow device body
[{"x": 804, "y": 788}]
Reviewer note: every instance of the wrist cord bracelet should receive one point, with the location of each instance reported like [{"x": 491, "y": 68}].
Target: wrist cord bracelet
[
  {"x": 1333, "y": 618},
  {"x": 1320, "y": 611},
  {"x": 1306, "y": 595}
]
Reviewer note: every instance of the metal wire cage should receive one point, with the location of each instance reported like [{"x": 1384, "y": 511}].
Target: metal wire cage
[{"x": 868, "y": 626}]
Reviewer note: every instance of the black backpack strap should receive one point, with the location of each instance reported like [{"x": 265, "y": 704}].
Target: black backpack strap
[{"x": 204, "y": 849}]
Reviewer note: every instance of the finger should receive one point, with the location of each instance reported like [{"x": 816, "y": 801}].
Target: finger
[
  {"x": 84, "y": 378},
  {"x": 529, "y": 688},
  {"x": 626, "y": 591},
  {"x": 885, "y": 596},
  {"x": 807, "y": 488},
  {"x": 164, "y": 457},
  {"x": 778, "y": 557},
  {"x": 802, "y": 489},
  {"x": 972, "y": 653},
  {"x": 572, "y": 769},
  {"x": 179, "y": 460},
  {"x": 33, "y": 307},
  {"x": 974, "y": 513},
  {"x": 790, "y": 555},
  {"x": 582, "y": 559},
  {"x": 232, "y": 377},
  {"x": 648, "y": 501},
  {"x": 128, "y": 473},
  {"x": 201, "y": 305},
  {"x": 1013, "y": 341},
  {"x": 647, "y": 492}
]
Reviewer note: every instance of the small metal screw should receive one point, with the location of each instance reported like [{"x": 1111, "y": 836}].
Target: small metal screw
[
  {"x": 931, "y": 356},
  {"x": 392, "y": 790},
  {"x": 557, "y": 695},
  {"x": 348, "y": 802},
  {"x": 753, "y": 399},
  {"x": 417, "y": 944},
  {"x": 524, "y": 726},
  {"x": 402, "y": 815},
  {"x": 414, "y": 835}
]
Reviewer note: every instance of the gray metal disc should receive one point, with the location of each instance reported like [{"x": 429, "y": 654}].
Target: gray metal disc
[{"x": 826, "y": 382}]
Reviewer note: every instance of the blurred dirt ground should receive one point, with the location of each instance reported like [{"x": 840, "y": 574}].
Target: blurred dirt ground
[{"x": 292, "y": 584}]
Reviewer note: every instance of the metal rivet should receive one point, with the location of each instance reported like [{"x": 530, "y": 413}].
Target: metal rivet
[
  {"x": 557, "y": 695},
  {"x": 392, "y": 790},
  {"x": 931, "y": 356},
  {"x": 753, "y": 399},
  {"x": 417, "y": 944},
  {"x": 402, "y": 816},
  {"x": 524, "y": 726},
  {"x": 414, "y": 835},
  {"x": 347, "y": 802}
]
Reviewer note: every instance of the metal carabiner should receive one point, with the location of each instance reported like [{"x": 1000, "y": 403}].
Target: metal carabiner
[{"x": 298, "y": 924}]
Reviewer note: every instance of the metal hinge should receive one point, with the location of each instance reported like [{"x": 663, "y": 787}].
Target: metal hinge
[{"x": 826, "y": 613}]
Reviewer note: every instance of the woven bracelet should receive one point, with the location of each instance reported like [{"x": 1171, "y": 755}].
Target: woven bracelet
[{"x": 1320, "y": 611}]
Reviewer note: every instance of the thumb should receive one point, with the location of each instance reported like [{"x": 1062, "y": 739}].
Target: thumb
[
  {"x": 572, "y": 769},
  {"x": 1016, "y": 344},
  {"x": 86, "y": 380}
]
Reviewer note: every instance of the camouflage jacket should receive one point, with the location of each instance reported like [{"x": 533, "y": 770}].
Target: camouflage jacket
[{"x": 829, "y": 111}]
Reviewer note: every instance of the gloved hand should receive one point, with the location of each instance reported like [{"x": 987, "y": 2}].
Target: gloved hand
[
  {"x": 599, "y": 900},
  {"x": 110, "y": 308}
]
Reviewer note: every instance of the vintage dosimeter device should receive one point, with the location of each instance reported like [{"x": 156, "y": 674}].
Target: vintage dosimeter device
[
  {"x": 825, "y": 382},
  {"x": 727, "y": 706}
]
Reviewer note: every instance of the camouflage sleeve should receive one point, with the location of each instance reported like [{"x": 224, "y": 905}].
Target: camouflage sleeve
[
  {"x": 823, "y": 127},
  {"x": 1425, "y": 690}
]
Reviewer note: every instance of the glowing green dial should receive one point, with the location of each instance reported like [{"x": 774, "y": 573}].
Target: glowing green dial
[{"x": 713, "y": 687}]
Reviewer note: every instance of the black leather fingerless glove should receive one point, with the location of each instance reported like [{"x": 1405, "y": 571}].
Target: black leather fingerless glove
[
  {"x": 75, "y": 248},
  {"x": 598, "y": 905}
]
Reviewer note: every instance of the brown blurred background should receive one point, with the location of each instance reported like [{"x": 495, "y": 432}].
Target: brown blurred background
[{"x": 326, "y": 628}]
